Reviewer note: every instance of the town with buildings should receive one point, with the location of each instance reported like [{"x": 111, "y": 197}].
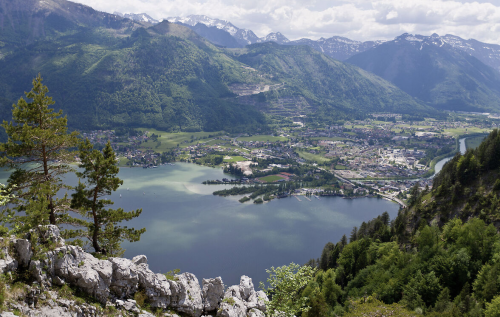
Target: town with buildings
[{"x": 383, "y": 155}]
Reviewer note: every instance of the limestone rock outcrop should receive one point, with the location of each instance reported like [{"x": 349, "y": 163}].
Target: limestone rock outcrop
[
  {"x": 117, "y": 280},
  {"x": 213, "y": 292},
  {"x": 7, "y": 262},
  {"x": 240, "y": 300}
]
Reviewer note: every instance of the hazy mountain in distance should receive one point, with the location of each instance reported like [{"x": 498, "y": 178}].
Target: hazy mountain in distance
[
  {"x": 430, "y": 69},
  {"x": 214, "y": 35},
  {"x": 276, "y": 37},
  {"x": 243, "y": 36},
  {"x": 337, "y": 47},
  {"x": 489, "y": 54},
  {"x": 139, "y": 17}
]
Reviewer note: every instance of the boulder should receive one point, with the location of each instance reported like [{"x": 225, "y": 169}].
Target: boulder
[
  {"x": 212, "y": 293},
  {"x": 52, "y": 233},
  {"x": 7, "y": 263},
  {"x": 155, "y": 285},
  {"x": 232, "y": 307},
  {"x": 233, "y": 291},
  {"x": 125, "y": 277},
  {"x": 71, "y": 264},
  {"x": 246, "y": 287},
  {"x": 131, "y": 305},
  {"x": 186, "y": 294},
  {"x": 23, "y": 251},
  {"x": 256, "y": 313},
  {"x": 140, "y": 259},
  {"x": 244, "y": 294}
]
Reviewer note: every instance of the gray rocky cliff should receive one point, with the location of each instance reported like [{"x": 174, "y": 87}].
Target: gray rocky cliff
[{"x": 115, "y": 282}]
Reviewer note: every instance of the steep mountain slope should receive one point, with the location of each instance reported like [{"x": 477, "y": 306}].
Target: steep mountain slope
[
  {"x": 214, "y": 35},
  {"x": 312, "y": 81},
  {"x": 467, "y": 186},
  {"x": 337, "y": 47},
  {"x": 433, "y": 71},
  {"x": 25, "y": 21},
  {"x": 489, "y": 54},
  {"x": 167, "y": 77}
]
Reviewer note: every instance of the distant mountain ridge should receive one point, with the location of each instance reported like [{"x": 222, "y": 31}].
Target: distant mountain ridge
[
  {"x": 139, "y": 17},
  {"x": 243, "y": 36},
  {"x": 438, "y": 73},
  {"x": 338, "y": 47}
]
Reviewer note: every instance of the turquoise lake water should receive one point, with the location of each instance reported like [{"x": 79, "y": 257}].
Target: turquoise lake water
[{"x": 190, "y": 229}]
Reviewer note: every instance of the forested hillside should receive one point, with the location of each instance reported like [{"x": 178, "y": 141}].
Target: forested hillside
[
  {"x": 468, "y": 186},
  {"x": 166, "y": 77},
  {"x": 107, "y": 71},
  {"x": 440, "y": 257},
  {"x": 331, "y": 89}
]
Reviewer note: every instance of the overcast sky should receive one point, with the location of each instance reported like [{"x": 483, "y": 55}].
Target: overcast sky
[{"x": 356, "y": 19}]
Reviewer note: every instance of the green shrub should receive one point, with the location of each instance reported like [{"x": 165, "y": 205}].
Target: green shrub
[{"x": 140, "y": 298}]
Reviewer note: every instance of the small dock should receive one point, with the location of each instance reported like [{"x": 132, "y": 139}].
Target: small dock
[
  {"x": 307, "y": 198},
  {"x": 297, "y": 197},
  {"x": 317, "y": 197}
]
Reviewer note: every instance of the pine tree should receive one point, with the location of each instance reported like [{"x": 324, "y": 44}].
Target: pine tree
[
  {"x": 38, "y": 150},
  {"x": 100, "y": 179}
]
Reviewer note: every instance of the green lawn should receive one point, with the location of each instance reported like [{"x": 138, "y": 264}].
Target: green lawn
[
  {"x": 461, "y": 131},
  {"x": 318, "y": 158},
  {"x": 263, "y": 138},
  {"x": 271, "y": 178},
  {"x": 123, "y": 162},
  {"x": 340, "y": 167},
  {"x": 170, "y": 140},
  {"x": 472, "y": 143},
  {"x": 235, "y": 159}
]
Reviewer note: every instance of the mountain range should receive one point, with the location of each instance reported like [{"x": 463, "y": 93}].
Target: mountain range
[
  {"x": 108, "y": 70},
  {"x": 340, "y": 48},
  {"x": 105, "y": 70},
  {"x": 434, "y": 71}
]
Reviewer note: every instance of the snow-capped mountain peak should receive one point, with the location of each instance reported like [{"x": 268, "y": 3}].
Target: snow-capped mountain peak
[
  {"x": 274, "y": 37},
  {"x": 203, "y": 19},
  {"x": 139, "y": 17}
]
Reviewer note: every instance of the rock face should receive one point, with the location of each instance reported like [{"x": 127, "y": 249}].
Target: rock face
[
  {"x": 240, "y": 300},
  {"x": 213, "y": 292},
  {"x": 117, "y": 280},
  {"x": 7, "y": 262}
]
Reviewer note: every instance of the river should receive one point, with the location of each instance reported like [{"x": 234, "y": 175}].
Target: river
[
  {"x": 439, "y": 165},
  {"x": 190, "y": 229}
]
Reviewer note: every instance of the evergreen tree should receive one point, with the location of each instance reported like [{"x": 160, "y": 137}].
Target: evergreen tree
[
  {"x": 99, "y": 175},
  {"x": 38, "y": 150},
  {"x": 354, "y": 234}
]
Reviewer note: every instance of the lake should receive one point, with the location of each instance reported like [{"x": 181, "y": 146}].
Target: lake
[{"x": 190, "y": 229}]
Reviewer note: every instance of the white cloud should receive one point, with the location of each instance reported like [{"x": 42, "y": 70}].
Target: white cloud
[{"x": 355, "y": 19}]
